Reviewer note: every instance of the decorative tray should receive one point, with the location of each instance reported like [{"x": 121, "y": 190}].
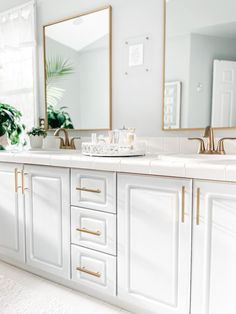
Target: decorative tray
[{"x": 111, "y": 150}]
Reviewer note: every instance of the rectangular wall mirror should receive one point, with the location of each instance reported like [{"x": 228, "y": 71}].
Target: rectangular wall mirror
[
  {"x": 200, "y": 64},
  {"x": 77, "y": 60}
]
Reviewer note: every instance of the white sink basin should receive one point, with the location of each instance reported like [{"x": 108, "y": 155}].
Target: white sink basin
[{"x": 195, "y": 157}]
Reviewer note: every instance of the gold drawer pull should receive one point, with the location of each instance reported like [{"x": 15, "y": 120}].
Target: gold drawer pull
[
  {"x": 183, "y": 203},
  {"x": 88, "y": 190},
  {"x": 89, "y": 272},
  {"x": 198, "y": 207},
  {"x": 97, "y": 233}
]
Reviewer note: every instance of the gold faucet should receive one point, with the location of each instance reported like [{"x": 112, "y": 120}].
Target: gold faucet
[
  {"x": 209, "y": 134},
  {"x": 65, "y": 143},
  {"x": 210, "y": 148}
]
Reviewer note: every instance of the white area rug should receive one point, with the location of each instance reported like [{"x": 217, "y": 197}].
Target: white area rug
[{"x": 24, "y": 293}]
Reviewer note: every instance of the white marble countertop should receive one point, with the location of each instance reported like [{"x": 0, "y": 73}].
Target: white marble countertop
[{"x": 219, "y": 169}]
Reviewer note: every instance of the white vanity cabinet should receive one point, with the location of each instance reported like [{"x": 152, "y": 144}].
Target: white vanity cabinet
[
  {"x": 154, "y": 243},
  {"x": 151, "y": 244},
  {"x": 11, "y": 212},
  {"x": 214, "y": 248},
  {"x": 47, "y": 211}
]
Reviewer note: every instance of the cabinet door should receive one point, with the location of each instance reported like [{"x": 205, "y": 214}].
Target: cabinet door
[
  {"x": 11, "y": 212},
  {"x": 214, "y": 248},
  {"x": 48, "y": 219},
  {"x": 154, "y": 243}
]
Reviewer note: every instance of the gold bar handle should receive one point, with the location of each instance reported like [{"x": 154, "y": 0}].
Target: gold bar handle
[
  {"x": 97, "y": 233},
  {"x": 198, "y": 207},
  {"x": 16, "y": 180},
  {"x": 22, "y": 182},
  {"x": 88, "y": 190},
  {"x": 89, "y": 272},
  {"x": 23, "y": 188},
  {"x": 183, "y": 204}
]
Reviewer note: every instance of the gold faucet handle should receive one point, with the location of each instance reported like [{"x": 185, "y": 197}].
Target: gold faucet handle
[
  {"x": 72, "y": 142},
  {"x": 62, "y": 142},
  {"x": 221, "y": 146},
  {"x": 201, "y": 149}
]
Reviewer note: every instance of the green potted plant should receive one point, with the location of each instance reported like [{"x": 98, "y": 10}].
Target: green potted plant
[
  {"x": 36, "y": 136},
  {"x": 11, "y": 127},
  {"x": 59, "y": 118}
]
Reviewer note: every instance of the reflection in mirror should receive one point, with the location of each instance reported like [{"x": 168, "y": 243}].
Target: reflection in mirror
[
  {"x": 78, "y": 72},
  {"x": 200, "y": 68}
]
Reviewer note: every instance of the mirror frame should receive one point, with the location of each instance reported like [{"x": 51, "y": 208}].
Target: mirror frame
[
  {"x": 110, "y": 66},
  {"x": 163, "y": 83}
]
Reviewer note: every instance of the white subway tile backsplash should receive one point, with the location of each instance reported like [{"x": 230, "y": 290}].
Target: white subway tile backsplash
[
  {"x": 51, "y": 142},
  {"x": 230, "y": 146},
  {"x": 187, "y": 146},
  {"x": 154, "y": 145},
  {"x": 172, "y": 144}
]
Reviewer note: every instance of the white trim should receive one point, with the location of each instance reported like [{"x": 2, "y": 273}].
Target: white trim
[{"x": 19, "y": 7}]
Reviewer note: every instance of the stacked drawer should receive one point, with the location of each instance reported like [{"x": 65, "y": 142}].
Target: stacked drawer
[{"x": 93, "y": 229}]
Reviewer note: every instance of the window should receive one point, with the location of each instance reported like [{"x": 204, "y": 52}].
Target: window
[{"x": 18, "y": 61}]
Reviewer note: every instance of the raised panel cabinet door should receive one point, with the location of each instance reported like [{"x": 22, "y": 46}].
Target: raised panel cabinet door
[
  {"x": 11, "y": 212},
  {"x": 47, "y": 205},
  {"x": 214, "y": 248},
  {"x": 154, "y": 243}
]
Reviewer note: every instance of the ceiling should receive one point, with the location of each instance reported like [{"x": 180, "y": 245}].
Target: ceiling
[
  {"x": 80, "y": 32},
  {"x": 220, "y": 30}
]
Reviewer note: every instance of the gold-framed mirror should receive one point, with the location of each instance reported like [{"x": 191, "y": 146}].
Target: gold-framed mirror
[
  {"x": 200, "y": 65},
  {"x": 78, "y": 71}
]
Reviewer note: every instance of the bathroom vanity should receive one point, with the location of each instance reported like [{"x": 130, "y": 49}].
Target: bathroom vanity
[{"x": 153, "y": 234}]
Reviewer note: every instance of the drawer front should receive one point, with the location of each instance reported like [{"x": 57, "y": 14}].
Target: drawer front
[
  {"x": 93, "y": 229},
  {"x": 94, "y": 270},
  {"x": 94, "y": 189}
]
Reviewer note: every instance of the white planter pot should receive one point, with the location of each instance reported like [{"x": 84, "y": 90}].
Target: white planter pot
[
  {"x": 36, "y": 141},
  {"x": 4, "y": 141}
]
